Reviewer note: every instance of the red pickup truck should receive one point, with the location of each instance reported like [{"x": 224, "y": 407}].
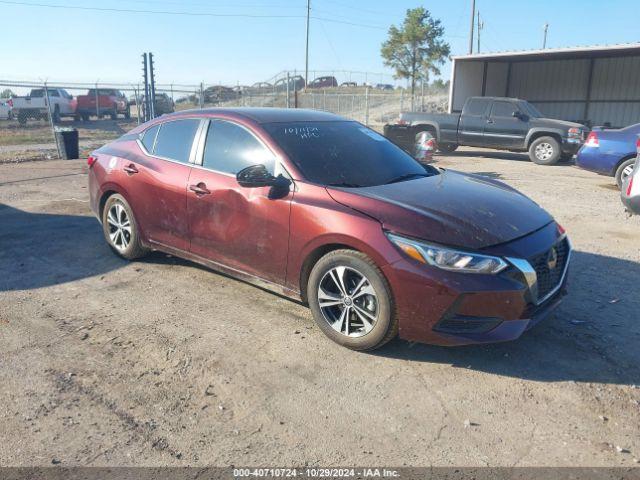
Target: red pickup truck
[{"x": 110, "y": 102}]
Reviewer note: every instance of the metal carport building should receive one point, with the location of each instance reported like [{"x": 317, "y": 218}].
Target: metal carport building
[{"x": 597, "y": 85}]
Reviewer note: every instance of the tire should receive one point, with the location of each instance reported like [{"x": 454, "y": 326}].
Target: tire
[
  {"x": 114, "y": 113},
  {"x": 375, "y": 304},
  {"x": 22, "y": 119},
  {"x": 85, "y": 117},
  {"x": 127, "y": 112},
  {"x": 447, "y": 147},
  {"x": 624, "y": 170},
  {"x": 117, "y": 213},
  {"x": 56, "y": 114},
  {"x": 545, "y": 151}
]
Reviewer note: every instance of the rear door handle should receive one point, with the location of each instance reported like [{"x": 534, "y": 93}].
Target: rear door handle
[
  {"x": 130, "y": 169},
  {"x": 199, "y": 189}
]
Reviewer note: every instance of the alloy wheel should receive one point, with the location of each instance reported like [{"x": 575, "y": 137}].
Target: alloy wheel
[
  {"x": 544, "y": 151},
  {"x": 348, "y": 301},
  {"x": 119, "y": 226},
  {"x": 626, "y": 171}
]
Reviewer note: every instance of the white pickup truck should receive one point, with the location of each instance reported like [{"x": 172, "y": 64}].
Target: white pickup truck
[{"x": 35, "y": 105}]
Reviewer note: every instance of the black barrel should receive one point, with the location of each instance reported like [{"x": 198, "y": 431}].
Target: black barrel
[{"x": 68, "y": 142}]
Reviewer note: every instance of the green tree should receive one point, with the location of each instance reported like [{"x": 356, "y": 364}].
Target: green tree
[
  {"x": 416, "y": 48},
  {"x": 6, "y": 93}
]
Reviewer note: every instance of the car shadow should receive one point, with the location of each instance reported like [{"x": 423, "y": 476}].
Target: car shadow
[
  {"x": 499, "y": 155},
  {"x": 592, "y": 337},
  {"x": 41, "y": 249}
]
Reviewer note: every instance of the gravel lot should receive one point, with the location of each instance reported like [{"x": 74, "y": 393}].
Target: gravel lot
[{"x": 161, "y": 362}]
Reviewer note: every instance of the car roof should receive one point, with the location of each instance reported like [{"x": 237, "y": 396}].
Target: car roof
[{"x": 268, "y": 114}]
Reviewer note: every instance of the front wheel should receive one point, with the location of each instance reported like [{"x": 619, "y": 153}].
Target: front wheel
[
  {"x": 447, "y": 147},
  {"x": 545, "y": 151},
  {"x": 624, "y": 170},
  {"x": 120, "y": 228},
  {"x": 351, "y": 300}
]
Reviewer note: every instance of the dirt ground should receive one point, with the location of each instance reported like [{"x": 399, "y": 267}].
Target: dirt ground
[{"x": 161, "y": 362}]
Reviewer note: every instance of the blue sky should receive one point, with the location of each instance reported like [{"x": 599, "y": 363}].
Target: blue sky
[{"x": 84, "y": 45}]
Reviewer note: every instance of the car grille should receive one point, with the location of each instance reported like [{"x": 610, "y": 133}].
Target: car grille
[
  {"x": 466, "y": 324},
  {"x": 549, "y": 278}
]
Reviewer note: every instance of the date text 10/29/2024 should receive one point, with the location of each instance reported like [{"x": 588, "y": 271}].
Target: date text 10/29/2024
[{"x": 315, "y": 472}]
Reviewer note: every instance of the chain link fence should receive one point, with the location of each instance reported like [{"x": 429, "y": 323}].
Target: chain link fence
[{"x": 31, "y": 112}]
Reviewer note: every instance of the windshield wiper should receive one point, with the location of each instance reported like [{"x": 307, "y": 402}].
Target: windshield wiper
[
  {"x": 407, "y": 176},
  {"x": 344, "y": 184}
]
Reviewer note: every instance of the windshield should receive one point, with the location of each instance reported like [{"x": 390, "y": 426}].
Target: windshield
[
  {"x": 530, "y": 110},
  {"x": 344, "y": 153}
]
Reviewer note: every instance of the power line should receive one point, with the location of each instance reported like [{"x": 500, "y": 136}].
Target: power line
[
  {"x": 185, "y": 13},
  {"x": 160, "y": 12}
]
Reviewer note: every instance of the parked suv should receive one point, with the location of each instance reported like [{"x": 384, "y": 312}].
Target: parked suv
[
  {"x": 326, "y": 211},
  {"x": 323, "y": 82},
  {"x": 494, "y": 122},
  {"x": 164, "y": 104}
]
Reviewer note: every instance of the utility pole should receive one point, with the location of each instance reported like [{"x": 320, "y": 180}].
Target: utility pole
[
  {"x": 145, "y": 76},
  {"x": 306, "y": 59},
  {"x": 473, "y": 15},
  {"x": 152, "y": 87},
  {"x": 544, "y": 39},
  {"x": 480, "y": 27}
]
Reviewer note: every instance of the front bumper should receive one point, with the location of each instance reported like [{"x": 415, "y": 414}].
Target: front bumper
[
  {"x": 570, "y": 146},
  {"x": 446, "y": 308},
  {"x": 402, "y": 135}
]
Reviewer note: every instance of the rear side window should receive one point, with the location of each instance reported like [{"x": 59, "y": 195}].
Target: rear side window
[
  {"x": 175, "y": 138},
  {"x": 149, "y": 138},
  {"x": 476, "y": 106},
  {"x": 503, "y": 109},
  {"x": 230, "y": 148}
]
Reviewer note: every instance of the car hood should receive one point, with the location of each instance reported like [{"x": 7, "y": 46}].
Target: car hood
[
  {"x": 451, "y": 208},
  {"x": 554, "y": 122}
]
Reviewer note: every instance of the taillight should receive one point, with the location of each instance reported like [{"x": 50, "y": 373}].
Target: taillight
[
  {"x": 401, "y": 121},
  {"x": 638, "y": 145},
  {"x": 91, "y": 160},
  {"x": 629, "y": 187},
  {"x": 592, "y": 140},
  {"x": 561, "y": 229}
]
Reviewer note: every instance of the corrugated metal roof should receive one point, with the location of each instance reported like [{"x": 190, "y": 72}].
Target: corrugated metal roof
[{"x": 556, "y": 52}]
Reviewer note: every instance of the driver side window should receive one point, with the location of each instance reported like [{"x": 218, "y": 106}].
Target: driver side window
[{"x": 229, "y": 148}]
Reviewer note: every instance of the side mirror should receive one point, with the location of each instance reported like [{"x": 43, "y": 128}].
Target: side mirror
[{"x": 255, "y": 176}]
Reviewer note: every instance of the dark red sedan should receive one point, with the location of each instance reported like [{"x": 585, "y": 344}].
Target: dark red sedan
[{"x": 324, "y": 210}]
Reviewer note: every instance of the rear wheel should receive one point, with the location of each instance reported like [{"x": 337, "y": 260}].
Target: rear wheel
[
  {"x": 120, "y": 228},
  {"x": 22, "y": 119},
  {"x": 114, "y": 112},
  {"x": 545, "y": 151},
  {"x": 624, "y": 170},
  {"x": 351, "y": 300}
]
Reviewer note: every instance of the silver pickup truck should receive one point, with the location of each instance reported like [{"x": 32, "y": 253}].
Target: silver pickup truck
[{"x": 35, "y": 105}]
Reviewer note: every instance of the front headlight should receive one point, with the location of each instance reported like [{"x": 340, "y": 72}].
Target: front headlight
[{"x": 448, "y": 258}]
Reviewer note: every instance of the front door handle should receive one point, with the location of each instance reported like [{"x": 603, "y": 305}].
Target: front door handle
[
  {"x": 490, "y": 121},
  {"x": 130, "y": 169},
  {"x": 199, "y": 189}
]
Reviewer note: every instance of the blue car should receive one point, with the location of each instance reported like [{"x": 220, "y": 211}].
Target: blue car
[{"x": 610, "y": 152}]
